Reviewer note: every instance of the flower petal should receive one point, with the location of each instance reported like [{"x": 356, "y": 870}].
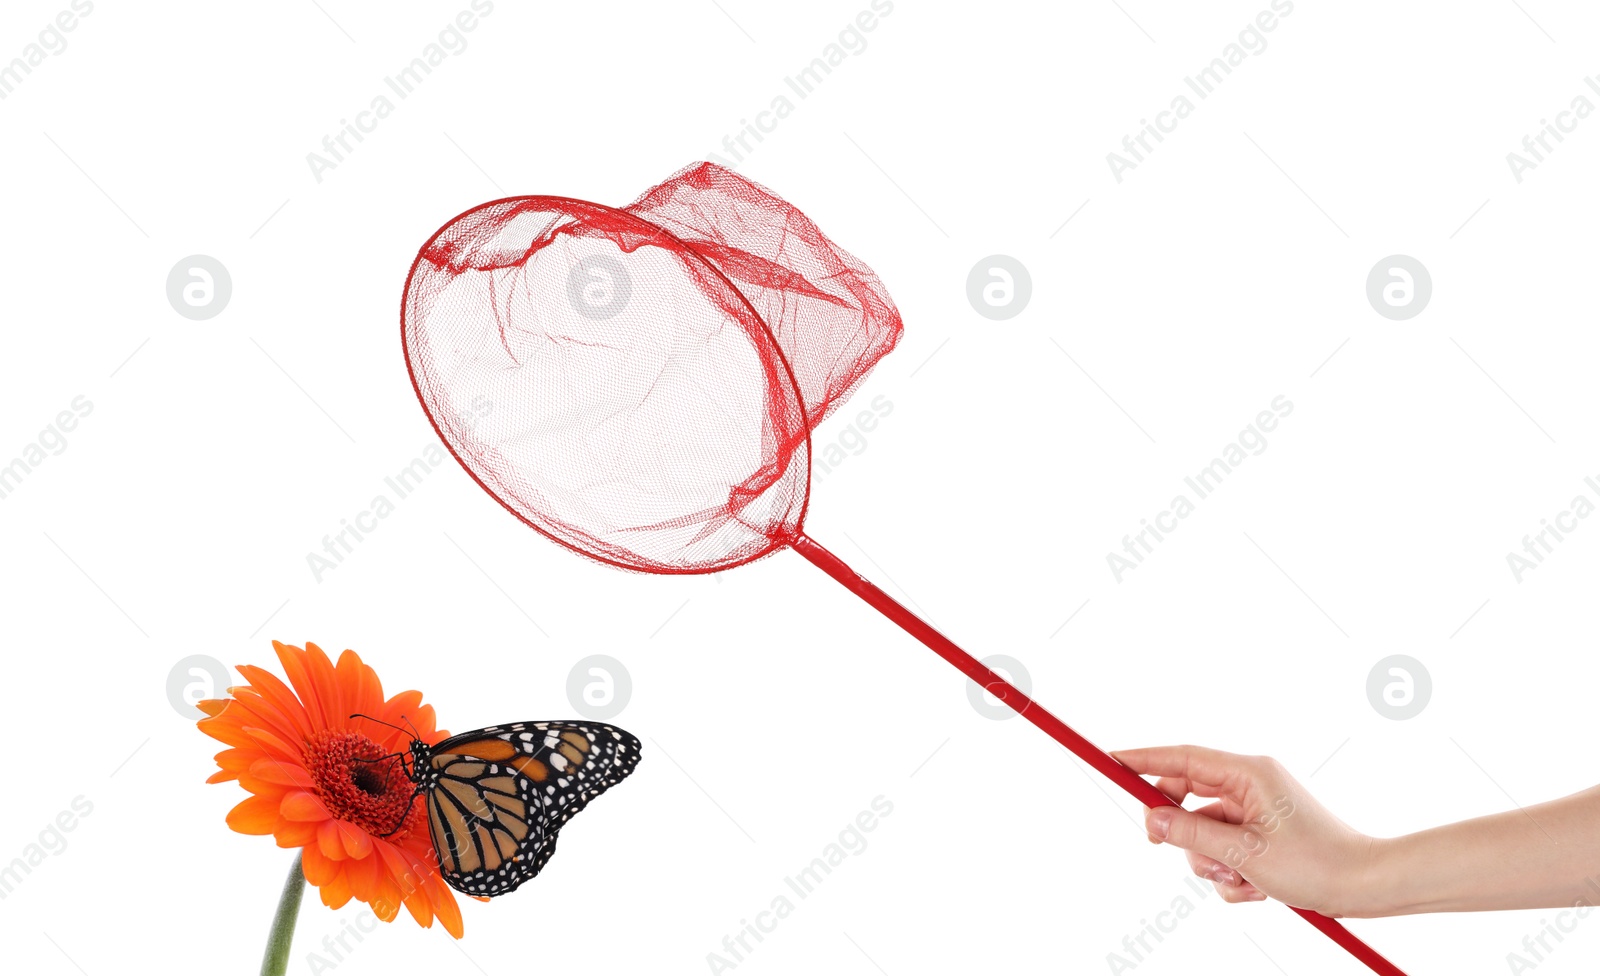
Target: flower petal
[
  {"x": 212, "y": 706},
  {"x": 226, "y": 730},
  {"x": 326, "y": 680},
  {"x": 385, "y": 901},
  {"x": 232, "y": 762},
  {"x": 255, "y": 710},
  {"x": 363, "y": 691},
  {"x": 444, "y": 905},
  {"x": 407, "y": 707},
  {"x": 402, "y": 704},
  {"x": 328, "y": 840},
  {"x": 282, "y": 773},
  {"x": 270, "y": 743},
  {"x": 363, "y": 875},
  {"x": 336, "y": 893},
  {"x": 356, "y": 842},
  {"x": 295, "y": 833},
  {"x": 317, "y": 868},
  {"x": 411, "y": 878},
  {"x": 425, "y": 719},
  {"x": 270, "y": 687},
  {"x": 237, "y": 760},
  {"x": 293, "y": 660},
  {"x": 257, "y": 815},
  {"x": 301, "y": 805}
]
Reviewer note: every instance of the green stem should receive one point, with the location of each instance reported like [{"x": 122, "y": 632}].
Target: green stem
[{"x": 276, "y": 961}]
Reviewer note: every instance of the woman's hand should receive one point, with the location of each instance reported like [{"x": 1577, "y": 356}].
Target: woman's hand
[{"x": 1264, "y": 836}]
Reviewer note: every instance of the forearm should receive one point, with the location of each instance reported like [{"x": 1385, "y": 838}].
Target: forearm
[{"x": 1545, "y": 856}]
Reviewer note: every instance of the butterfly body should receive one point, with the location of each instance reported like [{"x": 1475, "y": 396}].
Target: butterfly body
[{"x": 497, "y": 797}]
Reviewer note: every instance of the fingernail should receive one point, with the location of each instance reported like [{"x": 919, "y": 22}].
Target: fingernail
[
  {"x": 1225, "y": 877},
  {"x": 1158, "y": 823},
  {"x": 1256, "y": 896}
]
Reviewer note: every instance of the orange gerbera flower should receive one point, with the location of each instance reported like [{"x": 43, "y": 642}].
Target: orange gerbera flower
[{"x": 314, "y": 785}]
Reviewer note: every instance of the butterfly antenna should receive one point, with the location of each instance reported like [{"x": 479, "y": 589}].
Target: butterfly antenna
[
  {"x": 392, "y": 755},
  {"x": 382, "y": 722}
]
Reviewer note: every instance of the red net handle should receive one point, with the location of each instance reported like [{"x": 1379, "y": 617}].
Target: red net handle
[{"x": 1136, "y": 785}]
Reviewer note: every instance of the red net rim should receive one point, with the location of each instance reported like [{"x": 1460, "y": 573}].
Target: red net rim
[{"x": 573, "y": 203}]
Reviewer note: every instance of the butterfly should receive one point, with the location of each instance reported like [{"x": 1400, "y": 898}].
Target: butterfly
[{"x": 497, "y": 798}]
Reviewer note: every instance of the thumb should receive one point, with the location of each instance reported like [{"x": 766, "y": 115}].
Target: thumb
[{"x": 1193, "y": 832}]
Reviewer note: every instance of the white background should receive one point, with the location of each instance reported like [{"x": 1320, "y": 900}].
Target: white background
[{"x": 1222, "y": 272}]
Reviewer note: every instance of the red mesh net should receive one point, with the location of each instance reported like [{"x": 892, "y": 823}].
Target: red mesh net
[
  {"x": 654, "y": 372},
  {"x": 830, "y": 314}
]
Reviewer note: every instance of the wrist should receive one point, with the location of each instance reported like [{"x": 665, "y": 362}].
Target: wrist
[{"x": 1385, "y": 882}]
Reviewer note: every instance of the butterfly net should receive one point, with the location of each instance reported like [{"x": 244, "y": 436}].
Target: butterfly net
[{"x": 640, "y": 384}]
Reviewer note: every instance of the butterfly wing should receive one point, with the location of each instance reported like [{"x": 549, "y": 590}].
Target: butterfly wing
[{"x": 497, "y": 797}]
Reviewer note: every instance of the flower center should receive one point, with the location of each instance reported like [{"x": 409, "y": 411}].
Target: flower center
[
  {"x": 361, "y": 783},
  {"x": 370, "y": 779}
]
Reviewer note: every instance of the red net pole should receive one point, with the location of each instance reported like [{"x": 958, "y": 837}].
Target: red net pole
[{"x": 1136, "y": 785}]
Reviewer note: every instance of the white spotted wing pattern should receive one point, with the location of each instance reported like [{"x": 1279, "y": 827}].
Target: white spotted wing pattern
[{"x": 498, "y": 797}]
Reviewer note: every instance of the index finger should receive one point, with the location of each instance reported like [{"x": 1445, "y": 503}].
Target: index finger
[{"x": 1207, "y": 772}]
